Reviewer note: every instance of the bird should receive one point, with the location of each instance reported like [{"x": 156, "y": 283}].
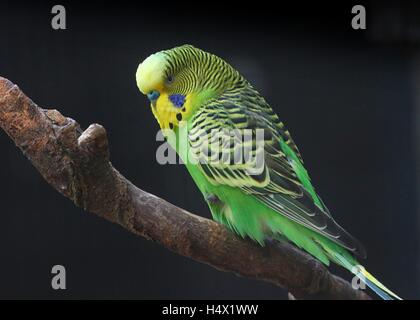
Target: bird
[{"x": 205, "y": 109}]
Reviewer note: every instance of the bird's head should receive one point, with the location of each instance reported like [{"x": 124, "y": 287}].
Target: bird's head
[
  {"x": 178, "y": 80},
  {"x": 151, "y": 75}
]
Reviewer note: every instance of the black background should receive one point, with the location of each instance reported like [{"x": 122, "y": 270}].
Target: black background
[{"x": 348, "y": 97}]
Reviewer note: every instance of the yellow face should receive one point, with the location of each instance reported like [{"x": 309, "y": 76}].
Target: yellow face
[{"x": 159, "y": 85}]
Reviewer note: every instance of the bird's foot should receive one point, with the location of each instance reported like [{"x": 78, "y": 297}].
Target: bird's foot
[{"x": 212, "y": 199}]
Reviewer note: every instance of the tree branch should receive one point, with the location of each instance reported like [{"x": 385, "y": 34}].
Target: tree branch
[{"x": 77, "y": 165}]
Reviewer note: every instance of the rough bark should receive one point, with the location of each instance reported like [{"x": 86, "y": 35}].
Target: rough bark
[{"x": 77, "y": 164}]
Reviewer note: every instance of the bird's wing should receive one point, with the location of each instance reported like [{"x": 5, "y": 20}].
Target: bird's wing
[{"x": 282, "y": 183}]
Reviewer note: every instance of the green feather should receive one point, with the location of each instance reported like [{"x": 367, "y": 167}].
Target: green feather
[
  {"x": 301, "y": 172},
  {"x": 280, "y": 202}
]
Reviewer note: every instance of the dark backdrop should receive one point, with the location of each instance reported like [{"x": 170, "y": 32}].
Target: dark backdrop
[{"x": 348, "y": 99}]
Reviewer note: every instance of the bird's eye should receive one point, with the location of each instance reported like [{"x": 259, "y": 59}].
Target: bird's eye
[{"x": 169, "y": 79}]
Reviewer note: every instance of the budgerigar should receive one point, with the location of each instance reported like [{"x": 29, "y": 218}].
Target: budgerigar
[{"x": 190, "y": 89}]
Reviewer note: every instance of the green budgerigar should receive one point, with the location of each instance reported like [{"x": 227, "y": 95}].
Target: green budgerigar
[{"x": 197, "y": 92}]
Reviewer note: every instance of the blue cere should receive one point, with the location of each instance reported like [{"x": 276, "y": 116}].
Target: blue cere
[{"x": 178, "y": 100}]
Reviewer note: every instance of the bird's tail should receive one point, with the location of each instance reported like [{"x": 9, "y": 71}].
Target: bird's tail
[
  {"x": 375, "y": 285},
  {"x": 366, "y": 278}
]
